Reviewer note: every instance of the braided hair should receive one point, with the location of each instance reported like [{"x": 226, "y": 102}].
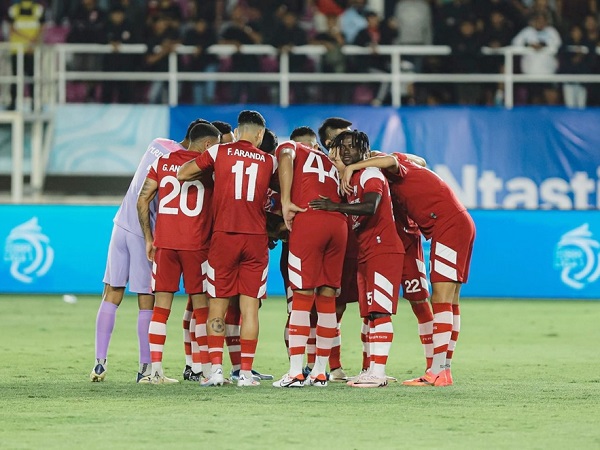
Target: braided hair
[{"x": 359, "y": 140}]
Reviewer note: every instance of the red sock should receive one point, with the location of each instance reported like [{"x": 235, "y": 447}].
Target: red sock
[
  {"x": 326, "y": 325},
  {"x": 201, "y": 315},
  {"x": 424, "y": 317},
  {"x": 187, "y": 346},
  {"x": 364, "y": 337},
  {"x": 157, "y": 332},
  {"x": 232, "y": 333},
  {"x": 380, "y": 343},
  {"x": 442, "y": 331},
  {"x": 215, "y": 349},
  {"x": 299, "y": 330},
  {"x": 454, "y": 336},
  {"x": 311, "y": 345},
  {"x": 247, "y": 354}
]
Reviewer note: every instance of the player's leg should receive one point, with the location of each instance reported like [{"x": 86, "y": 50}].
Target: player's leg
[
  {"x": 233, "y": 320},
  {"x": 383, "y": 286},
  {"x": 335, "y": 357},
  {"x": 105, "y": 323},
  {"x": 326, "y": 331},
  {"x": 146, "y": 306},
  {"x": 166, "y": 274},
  {"x": 215, "y": 331},
  {"x": 188, "y": 313},
  {"x": 200, "y": 358},
  {"x": 140, "y": 282},
  {"x": 311, "y": 344},
  {"x": 248, "y": 339},
  {"x": 455, "y": 333}
]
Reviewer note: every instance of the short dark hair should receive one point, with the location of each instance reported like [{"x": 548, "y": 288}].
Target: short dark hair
[
  {"x": 192, "y": 125},
  {"x": 248, "y": 117},
  {"x": 204, "y": 130},
  {"x": 302, "y": 131},
  {"x": 360, "y": 141},
  {"x": 223, "y": 127},
  {"x": 269, "y": 142},
  {"x": 332, "y": 123}
]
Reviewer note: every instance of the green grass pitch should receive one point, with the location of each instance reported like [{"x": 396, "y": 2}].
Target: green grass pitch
[{"x": 527, "y": 375}]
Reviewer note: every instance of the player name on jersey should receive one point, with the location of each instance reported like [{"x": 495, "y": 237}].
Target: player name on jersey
[{"x": 245, "y": 154}]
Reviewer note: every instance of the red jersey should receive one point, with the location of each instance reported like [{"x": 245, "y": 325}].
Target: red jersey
[
  {"x": 314, "y": 175},
  {"x": 242, "y": 175},
  {"x": 183, "y": 216},
  {"x": 377, "y": 233},
  {"x": 427, "y": 199}
]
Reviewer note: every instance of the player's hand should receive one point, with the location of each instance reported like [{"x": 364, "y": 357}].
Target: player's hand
[
  {"x": 289, "y": 212},
  {"x": 150, "y": 251},
  {"x": 334, "y": 157},
  {"x": 322, "y": 204},
  {"x": 345, "y": 176}
]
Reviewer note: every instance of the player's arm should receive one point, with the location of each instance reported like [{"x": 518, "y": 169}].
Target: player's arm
[
  {"x": 145, "y": 197},
  {"x": 367, "y": 207},
  {"x": 189, "y": 171},
  {"x": 420, "y": 161},
  {"x": 387, "y": 162},
  {"x": 285, "y": 158}
]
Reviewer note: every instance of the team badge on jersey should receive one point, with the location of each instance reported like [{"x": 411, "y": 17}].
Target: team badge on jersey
[
  {"x": 29, "y": 252},
  {"x": 577, "y": 256}
]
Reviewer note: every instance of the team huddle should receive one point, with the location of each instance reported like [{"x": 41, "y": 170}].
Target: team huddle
[{"x": 350, "y": 221}]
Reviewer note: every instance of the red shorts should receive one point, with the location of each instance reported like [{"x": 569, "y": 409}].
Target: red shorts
[
  {"x": 237, "y": 264},
  {"x": 317, "y": 249},
  {"x": 170, "y": 264},
  {"x": 414, "y": 274},
  {"x": 349, "y": 290},
  {"x": 379, "y": 280},
  {"x": 451, "y": 249}
]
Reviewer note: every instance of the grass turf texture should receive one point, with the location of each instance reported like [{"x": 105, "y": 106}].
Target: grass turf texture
[{"x": 527, "y": 375}]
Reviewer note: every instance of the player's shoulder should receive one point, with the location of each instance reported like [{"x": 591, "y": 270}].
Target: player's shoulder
[
  {"x": 370, "y": 173},
  {"x": 286, "y": 146}
]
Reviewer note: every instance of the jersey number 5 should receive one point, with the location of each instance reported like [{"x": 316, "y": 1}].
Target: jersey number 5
[
  {"x": 252, "y": 172},
  {"x": 181, "y": 190}
]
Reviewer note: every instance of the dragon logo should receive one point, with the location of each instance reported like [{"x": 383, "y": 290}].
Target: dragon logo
[
  {"x": 577, "y": 256},
  {"x": 29, "y": 251}
]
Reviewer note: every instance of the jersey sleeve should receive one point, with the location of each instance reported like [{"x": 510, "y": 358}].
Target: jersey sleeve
[
  {"x": 275, "y": 164},
  {"x": 207, "y": 159},
  {"x": 372, "y": 180},
  {"x": 287, "y": 145},
  {"x": 153, "y": 170}
]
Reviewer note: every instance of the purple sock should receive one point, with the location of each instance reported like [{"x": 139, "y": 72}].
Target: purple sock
[
  {"x": 144, "y": 318},
  {"x": 105, "y": 322}
]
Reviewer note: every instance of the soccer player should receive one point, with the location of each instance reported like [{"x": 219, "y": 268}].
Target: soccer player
[
  {"x": 381, "y": 252},
  {"x": 127, "y": 263},
  {"x": 179, "y": 244},
  {"x": 317, "y": 245},
  {"x": 238, "y": 255},
  {"x": 415, "y": 288},
  {"x": 441, "y": 217}
]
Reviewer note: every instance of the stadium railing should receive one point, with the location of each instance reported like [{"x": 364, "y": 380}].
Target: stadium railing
[{"x": 52, "y": 73}]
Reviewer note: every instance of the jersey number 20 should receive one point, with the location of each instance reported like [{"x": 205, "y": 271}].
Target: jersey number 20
[{"x": 181, "y": 190}]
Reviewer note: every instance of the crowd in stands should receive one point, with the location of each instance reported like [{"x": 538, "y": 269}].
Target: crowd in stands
[{"x": 569, "y": 26}]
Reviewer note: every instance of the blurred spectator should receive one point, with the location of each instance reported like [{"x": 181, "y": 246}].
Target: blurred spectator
[
  {"x": 202, "y": 36},
  {"x": 239, "y": 31},
  {"x": 288, "y": 34},
  {"x": 576, "y": 56},
  {"x": 333, "y": 61},
  {"x": 415, "y": 26},
  {"x": 161, "y": 42},
  {"x": 352, "y": 20},
  {"x": 572, "y": 12},
  {"x": 592, "y": 32},
  {"x": 376, "y": 33},
  {"x": 547, "y": 8},
  {"x": 544, "y": 40},
  {"x": 498, "y": 33},
  {"x": 135, "y": 16},
  {"x": 87, "y": 27},
  {"x": 26, "y": 19},
  {"x": 466, "y": 56},
  {"x": 119, "y": 30},
  {"x": 168, "y": 9}
]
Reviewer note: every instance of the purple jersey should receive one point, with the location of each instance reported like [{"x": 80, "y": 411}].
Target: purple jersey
[{"x": 127, "y": 216}]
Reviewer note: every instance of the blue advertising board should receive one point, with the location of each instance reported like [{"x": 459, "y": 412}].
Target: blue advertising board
[
  {"x": 525, "y": 158},
  {"x": 532, "y": 254}
]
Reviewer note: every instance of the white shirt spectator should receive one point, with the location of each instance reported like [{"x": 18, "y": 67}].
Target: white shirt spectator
[
  {"x": 543, "y": 61},
  {"x": 414, "y": 22},
  {"x": 352, "y": 21}
]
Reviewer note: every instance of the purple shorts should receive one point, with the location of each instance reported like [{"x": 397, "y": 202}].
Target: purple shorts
[{"x": 127, "y": 262}]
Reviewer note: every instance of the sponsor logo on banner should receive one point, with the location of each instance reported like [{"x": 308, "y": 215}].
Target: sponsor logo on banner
[
  {"x": 578, "y": 257},
  {"x": 28, "y": 251}
]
